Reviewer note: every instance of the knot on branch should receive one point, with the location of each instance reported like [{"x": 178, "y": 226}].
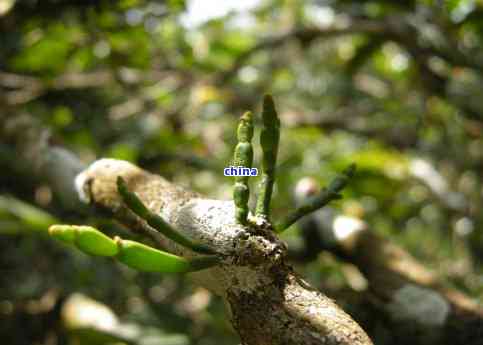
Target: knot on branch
[{"x": 259, "y": 246}]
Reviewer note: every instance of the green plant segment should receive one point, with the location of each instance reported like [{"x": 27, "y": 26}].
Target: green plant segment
[
  {"x": 85, "y": 238},
  {"x": 243, "y": 157},
  {"x": 155, "y": 221},
  {"x": 133, "y": 254},
  {"x": 318, "y": 201},
  {"x": 269, "y": 139},
  {"x": 144, "y": 258}
]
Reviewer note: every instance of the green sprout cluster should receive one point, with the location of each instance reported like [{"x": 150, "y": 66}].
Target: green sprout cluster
[
  {"x": 269, "y": 141},
  {"x": 145, "y": 258},
  {"x": 134, "y": 254}
]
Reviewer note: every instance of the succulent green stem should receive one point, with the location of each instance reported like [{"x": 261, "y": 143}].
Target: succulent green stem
[
  {"x": 155, "y": 221},
  {"x": 133, "y": 254},
  {"x": 269, "y": 139},
  {"x": 318, "y": 201},
  {"x": 243, "y": 157}
]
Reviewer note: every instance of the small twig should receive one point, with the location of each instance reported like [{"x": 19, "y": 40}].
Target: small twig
[{"x": 325, "y": 196}]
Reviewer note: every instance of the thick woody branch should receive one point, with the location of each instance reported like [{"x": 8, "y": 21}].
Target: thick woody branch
[
  {"x": 267, "y": 302},
  {"x": 421, "y": 308}
]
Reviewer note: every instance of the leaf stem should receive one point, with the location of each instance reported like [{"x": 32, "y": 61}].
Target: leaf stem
[
  {"x": 320, "y": 200},
  {"x": 157, "y": 222}
]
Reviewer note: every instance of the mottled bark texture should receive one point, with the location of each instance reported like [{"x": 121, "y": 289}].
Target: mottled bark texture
[{"x": 266, "y": 301}]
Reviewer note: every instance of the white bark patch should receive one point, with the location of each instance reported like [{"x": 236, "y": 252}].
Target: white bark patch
[
  {"x": 211, "y": 221},
  {"x": 99, "y": 168},
  {"x": 80, "y": 187},
  {"x": 246, "y": 279},
  {"x": 424, "y": 306}
]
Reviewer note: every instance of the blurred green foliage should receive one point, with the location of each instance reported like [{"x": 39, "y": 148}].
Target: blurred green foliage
[{"x": 161, "y": 84}]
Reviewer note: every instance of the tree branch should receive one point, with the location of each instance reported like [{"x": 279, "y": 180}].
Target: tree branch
[
  {"x": 305, "y": 36},
  {"x": 268, "y": 303},
  {"x": 421, "y": 308},
  {"x": 396, "y": 29}
]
